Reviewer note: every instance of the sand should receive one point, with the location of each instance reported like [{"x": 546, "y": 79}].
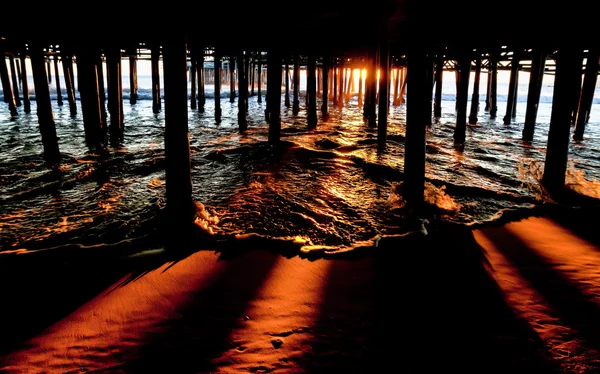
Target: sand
[{"x": 517, "y": 297}]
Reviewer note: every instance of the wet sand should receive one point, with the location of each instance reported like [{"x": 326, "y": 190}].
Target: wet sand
[{"x": 518, "y": 297}]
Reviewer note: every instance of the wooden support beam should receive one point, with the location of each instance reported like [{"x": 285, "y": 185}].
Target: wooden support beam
[
  {"x": 133, "y": 82},
  {"x": 384, "y": 94},
  {"x": 512, "y": 87},
  {"x": 287, "y": 84},
  {"x": 6, "y": 87},
  {"x": 201, "y": 82},
  {"x": 325, "y": 96},
  {"x": 59, "y": 99},
  {"x": 274, "y": 95},
  {"x": 87, "y": 71},
  {"x": 259, "y": 78},
  {"x": 193, "y": 82},
  {"x": 15, "y": 80},
  {"x": 475, "y": 96},
  {"x": 231, "y": 79},
  {"x": 494, "y": 84},
  {"x": 311, "y": 91},
  {"x": 154, "y": 59},
  {"x": 25, "y": 84},
  {"x": 217, "y": 82},
  {"x": 242, "y": 93},
  {"x": 538, "y": 65},
  {"x": 587, "y": 94},
  {"x": 462, "y": 97},
  {"x": 67, "y": 62},
  {"x": 115, "y": 93},
  {"x": 296, "y": 78}
]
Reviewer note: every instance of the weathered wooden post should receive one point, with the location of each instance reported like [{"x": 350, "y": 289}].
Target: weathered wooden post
[
  {"x": 462, "y": 97},
  {"x": 67, "y": 63},
  {"x": 488, "y": 89},
  {"x": 217, "y": 79},
  {"x": 567, "y": 83},
  {"x": 335, "y": 85},
  {"x": 587, "y": 94},
  {"x": 59, "y": 100},
  {"x": 15, "y": 80},
  {"x": 133, "y": 82},
  {"x": 44, "y": 107},
  {"x": 193, "y": 80},
  {"x": 494, "y": 84},
  {"x": 384, "y": 94},
  {"x": 115, "y": 92},
  {"x": 242, "y": 93},
  {"x": 325, "y": 98},
  {"x": 512, "y": 87},
  {"x": 360, "y": 87},
  {"x": 417, "y": 116},
  {"x": 101, "y": 88},
  {"x": 371, "y": 99},
  {"x": 296, "y": 78},
  {"x": 259, "y": 78},
  {"x": 536, "y": 77},
  {"x": 231, "y": 79},
  {"x": 311, "y": 90},
  {"x": 252, "y": 74},
  {"x": 287, "y": 83},
  {"x": 154, "y": 59},
  {"x": 274, "y": 94},
  {"x": 180, "y": 206},
  {"x": 48, "y": 68},
  {"x": 25, "y": 84},
  {"x": 475, "y": 96},
  {"x": 6, "y": 87},
  {"x": 342, "y": 77},
  {"x": 201, "y": 82},
  {"x": 93, "y": 123}
]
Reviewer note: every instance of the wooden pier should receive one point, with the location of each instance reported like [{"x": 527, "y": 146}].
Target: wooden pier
[{"x": 408, "y": 43}]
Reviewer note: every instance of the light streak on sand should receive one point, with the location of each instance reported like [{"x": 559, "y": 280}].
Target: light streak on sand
[
  {"x": 102, "y": 333},
  {"x": 545, "y": 271},
  {"x": 279, "y": 318}
]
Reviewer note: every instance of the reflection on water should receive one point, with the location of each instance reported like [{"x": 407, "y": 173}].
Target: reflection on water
[{"x": 329, "y": 186}]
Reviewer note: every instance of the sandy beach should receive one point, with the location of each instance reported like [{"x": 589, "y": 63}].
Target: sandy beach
[{"x": 521, "y": 297}]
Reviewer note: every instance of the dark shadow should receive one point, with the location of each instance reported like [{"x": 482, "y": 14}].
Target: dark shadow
[
  {"x": 574, "y": 309},
  {"x": 422, "y": 307}
]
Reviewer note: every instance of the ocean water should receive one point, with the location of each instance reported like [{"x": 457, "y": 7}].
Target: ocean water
[{"x": 329, "y": 188}]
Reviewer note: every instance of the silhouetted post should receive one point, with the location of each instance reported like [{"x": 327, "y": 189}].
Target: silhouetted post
[
  {"x": 193, "y": 69},
  {"x": 246, "y": 78},
  {"x": 536, "y": 77},
  {"x": 287, "y": 84},
  {"x": 15, "y": 80},
  {"x": 59, "y": 100},
  {"x": 115, "y": 92},
  {"x": 296, "y": 77},
  {"x": 87, "y": 69},
  {"x": 133, "y": 83},
  {"x": 231, "y": 79},
  {"x": 6, "y": 88},
  {"x": 274, "y": 95},
  {"x": 396, "y": 78},
  {"x": 243, "y": 93},
  {"x": 44, "y": 107},
  {"x": 417, "y": 116},
  {"x": 384, "y": 94},
  {"x": 180, "y": 204},
  {"x": 494, "y": 85},
  {"x": 201, "y": 83},
  {"x": 325, "y": 98},
  {"x": 217, "y": 80},
  {"x": 342, "y": 78},
  {"x": 516, "y": 96},
  {"x": 154, "y": 57},
  {"x": 252, "y": 74},
  {"x": 372, "y": 95},
  {"x": 259, "y": 78},
  {"x": 567, "y": 82},
  {"x": 475, "y": 97},
  {"x": 101, "y": 89},
  {"x": 67, "y": 63},
  {"x": 462, "y": 97},
  {"x": 335, "y": 85},
  {"x": 488, "y": 90},
  {"x": 587, "y": 94},
  {"x": 311, "y": 91},
  {"x": 48, "y": 69},
  {"x": 360, "y": 87},
  {"x": 512, "y": 87},
  {"x": 25, "y": 84},
  {"x": 19, "y": 74}
]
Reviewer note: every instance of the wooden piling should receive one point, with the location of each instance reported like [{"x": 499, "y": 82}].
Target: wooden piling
[
  {"x": 335, "y": 85},
  {"x": 193, "y": 82},
  {"x": 488, "y": 90},
  {"x": 384, "y": 94},
  {"x": 59, "y": 100},
  {"x": 242, "y": 93},
  {"x": 342, "y": 77},
  {"x": 287, "y": 84},
  {"x": 475, "y": 96},
  {"x": 259, "y": 78},
  {"x": 418, "y": 99},
  {"x": 44, "y": 107},
  {"x": 67, "y": 62},
  {"x": 360, "y": 87},
  {"x": 274, "y": 95},
  {"x": 7, "y": 90},
  {"x": 19, "y": 74},
  {"x": 201, "y": 83},
  {"x": 87, "y": 71},
  {"x": 180, "y": 205},
  {"x": 512, "y": 87},
  {"x": 587, "y": 94},
  {"x": 25, "y": 84},
  {"x": 325, "y": 95},
  {"x": 154, "y": 59},
  {"x": 115, "y": 92},
  {"x": 101, "y": 88},
  {"x": 311, "y": 91},
  {"x": 232, "y": 79},
  {"x": 217, "y": 82},
  {"x": 371, "y": 98},
  {"x": 462, "y": 97},
  {"x": 296, "y": 78},
  {"x": 15, "y": 80},
  {"x": 244, "y": 87},
  {"x": 494, "y": 85},
  {"x": 569, "y": 61},
  {"x": 536, "y": 77},
  {"x": 133, "y": 82}
]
